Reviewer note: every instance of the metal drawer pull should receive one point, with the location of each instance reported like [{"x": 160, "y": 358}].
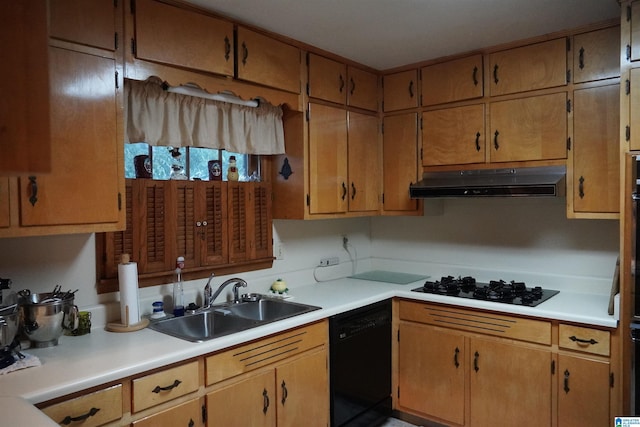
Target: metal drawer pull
[
  {"x": 495, "y": 74},
  {"x": 34, "y": 190},
  {"x": 581, "y": 187},
  {"x": 341, "y": 83},
  {"x": 353, "y": 191},
  {"x": 411, "y": 89},
  {"x": 478, "y": 141},
  {"x": 265, "y": 397},
  {"x": 475, "y": 76},
  {"x": 576, "y": 339},
  {"x": 566, "y": 381},
  {"x": 175, "y": 384},
  {"x": 475, "y": 361},
  {"x": 495, "y": 140},
  {"x": 285, "y": 392},
  {"x": 69, "y": 419},
  {"x": 344, "y": 191},
  {"x": 455, "y": 357}
]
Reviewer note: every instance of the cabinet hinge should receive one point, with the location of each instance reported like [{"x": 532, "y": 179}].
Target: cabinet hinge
[
  {"x": 628, "y": 52},
  {"x": 307, "y": 58},
  {"x": 116, "y": 77},
  {"x": 398, "y": 335},
  {"x": 568, "y": 76},
  {"x": 133, "y": 47},
  {"x": 115, "y": 4},
  {"x": 569, "y": 144},
  {"x": 308, "y": 89},
  {"x": 421, "y": 153},
  {"x": 629, "y": 13},
  {"x": 204, "y": 413},
  {"x": 308, "y": 200},
  {"x": 421, "y": 123},
  {"x": 568, "y": 44},
  {"x": 627, "y": 87},
  {"x": 553, "y": 367},
  {"x": 568, "y": 105},
  {"x": 132, "y": 6},
  {"x": 119, "y": 201},
  {"x": 398, "y": 392},
  {"x": 382, "y": 128},
  {"x": 611, "y": 381},
  {"x": 115, "y": 40},
  {"x": 627, "y": 132},
  {"x": 308, "y": 112},
  {"x": 383, "y": 198}
]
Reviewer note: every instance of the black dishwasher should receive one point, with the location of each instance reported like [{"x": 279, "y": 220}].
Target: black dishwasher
[{"x": 360, "y": 366}]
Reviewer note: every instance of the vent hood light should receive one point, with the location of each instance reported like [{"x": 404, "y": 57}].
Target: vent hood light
[{"x": 544, "y": 181}]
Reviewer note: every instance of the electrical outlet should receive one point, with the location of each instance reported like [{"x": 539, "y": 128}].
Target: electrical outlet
[{"x": 325, "y": 262}]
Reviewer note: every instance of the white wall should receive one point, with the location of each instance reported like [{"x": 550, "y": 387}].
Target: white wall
[{"x": 527, "y": 235}]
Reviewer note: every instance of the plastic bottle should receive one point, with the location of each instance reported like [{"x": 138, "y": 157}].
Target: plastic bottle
[{"x": 178, "y": 289}]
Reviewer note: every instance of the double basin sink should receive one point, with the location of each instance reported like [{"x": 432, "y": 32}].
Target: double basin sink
[{"x": 225, "y": 319}]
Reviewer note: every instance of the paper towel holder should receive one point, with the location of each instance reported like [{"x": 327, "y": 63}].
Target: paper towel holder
[{"x": 123, "y": 325}]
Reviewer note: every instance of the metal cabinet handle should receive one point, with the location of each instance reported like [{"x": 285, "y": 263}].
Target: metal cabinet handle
[
  {"x": 227, "y": 48},
  {"x": 34, "y": 190},
  {"x": 285, "y": 392},
  {"x": 474, "y": 76},
  {"x": 341, "y": 83},
  {"x": 495, "y": 140},
  {"x": 476, "y": 356},
  {"x": 69, "y": 419},
  {"x": 265, "y": 401},
  {"x": 495, "y": 74},
  {"x": 580, "y": 340},
  {"x": 245, "y": 53},
  {"x": 175, "y": 384},
  {"x": 478, "y": 141},
  {"x": 411, "y": 89},
  {"x": 191, "y": 423},
  {"x": 344, "y": 191},
  {"x": 581, "y": 58},
  {"x": 353, "y": 85},
  {"x": 566, "y": 381},
  {"x": 455, "y": 357},
  {"x": 353, "y": 191},
  {"x": 581, "y": 192}
]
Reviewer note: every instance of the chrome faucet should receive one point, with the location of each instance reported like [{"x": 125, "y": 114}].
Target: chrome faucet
[{"x": 210, "y": 297}]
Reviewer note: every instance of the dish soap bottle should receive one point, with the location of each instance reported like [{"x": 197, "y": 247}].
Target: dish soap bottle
[{"x": 178, "y": 289}]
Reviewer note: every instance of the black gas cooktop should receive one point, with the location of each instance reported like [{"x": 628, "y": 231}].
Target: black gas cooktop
[{"x": 496, "y": 290}]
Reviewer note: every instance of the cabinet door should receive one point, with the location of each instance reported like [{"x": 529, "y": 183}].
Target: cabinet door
[
  {"x": 532, "y": 128},
  {"x": 327, "y": 159},
  {"x": 509, "y": 385},
  {"x": 453, "y": 136},
  {"x": 400, "y": 90},
  {"x": 92, "y": 23},
  {"x": 250, "y": 402},
  {"x": 211, "y": 229},
  {"x": 5, "y": 206},
  {"x": 583, "y": 391},
  {"x": 84, "y": 185},
  {"x": 596, "y": 153},
  {"x": 635, "y": 30},
  {"x": 363, "y": 89},
  {"x": 452, "y": 81},
  {"x": 24, "y": 84},
  {"x": 185, "y": 414},
  {"x": 300, "y": 383},
  {"x": 596, "y": 55},
  {"x": 267, "y": 61},
  {"x": 172, "y": 35},
  {"x": 365, "y": 164},
  {"x": 634, "y": 109},
  {"x": 327, "y": 79},
  {"x": 431, "y": 373},
  {"x": 249, "y": 221},
  {"x": 532, "y": 67},
  {"x": 400, "y": 161}
]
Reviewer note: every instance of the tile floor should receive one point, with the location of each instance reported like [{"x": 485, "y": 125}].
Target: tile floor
[{"x": 393, "y": 422}]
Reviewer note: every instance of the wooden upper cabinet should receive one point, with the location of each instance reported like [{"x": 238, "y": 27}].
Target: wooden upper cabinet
[
  {"x": 533, "y": 128},
  {"x": 451, "y": 81},
  {"x": 92, "y": 23},
  {"x": 596, "y": 152},
  {"x": 537, "y": 66},
  {"x": 84, "y": 187},
  {"x": 176, "y": 36},
  {"x": 596, "y": 55},
  {"x": 327, "y": 79},
  {"x": 267, "y": 61},
  {"x": 24, "y": 85},
  {"x": 453, "y": 136},
  {"x": 400, "y": 161},
  {"x": 400, "y": 90},
  {"x": 249, "y": 221},
  {"x": 634, "y": 49},
  {"x": 328, "y": 159},
  {"x": 362, "y": 89}
]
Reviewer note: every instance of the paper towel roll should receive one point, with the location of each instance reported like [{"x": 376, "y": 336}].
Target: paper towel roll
[{"x": 129, "y": 304}]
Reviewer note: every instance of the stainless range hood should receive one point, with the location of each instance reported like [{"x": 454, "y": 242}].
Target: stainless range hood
[{"x": 543, "y": 181}]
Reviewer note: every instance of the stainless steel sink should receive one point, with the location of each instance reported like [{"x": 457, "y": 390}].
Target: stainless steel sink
[{"x": 227, "y": 319}]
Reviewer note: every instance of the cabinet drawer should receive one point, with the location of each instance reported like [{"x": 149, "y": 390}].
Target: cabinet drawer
[
  {"x": 186, "y": 414},
  {"x": 264, "y": 352},
  {"x": 163, "y": 386},
  {"x": 499, "y": 325},
  {"x": 588, "y": 340},
  {"x": 93, "y": 409}
]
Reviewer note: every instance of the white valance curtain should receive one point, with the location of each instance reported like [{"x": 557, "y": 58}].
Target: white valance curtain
[{"x": 158, "y": 117}]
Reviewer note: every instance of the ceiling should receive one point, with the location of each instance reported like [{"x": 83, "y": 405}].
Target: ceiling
[{"x": 385, "y": 34}]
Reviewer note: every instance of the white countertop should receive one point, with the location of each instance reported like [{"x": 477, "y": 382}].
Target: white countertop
[{"x": 85, "y": 361}]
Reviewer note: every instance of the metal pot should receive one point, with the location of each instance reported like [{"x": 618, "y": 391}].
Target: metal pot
[
  {"x": 45, "y": 316},
  {"x": 9, "y": 317}
]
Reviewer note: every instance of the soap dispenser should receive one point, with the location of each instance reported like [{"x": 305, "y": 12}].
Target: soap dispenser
[{"x": 178, "y": 289}]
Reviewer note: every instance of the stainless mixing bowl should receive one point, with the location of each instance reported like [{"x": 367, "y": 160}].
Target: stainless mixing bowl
[
  {"x": 9, "y": 316},
  {"x": 45, "y": 316}
]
